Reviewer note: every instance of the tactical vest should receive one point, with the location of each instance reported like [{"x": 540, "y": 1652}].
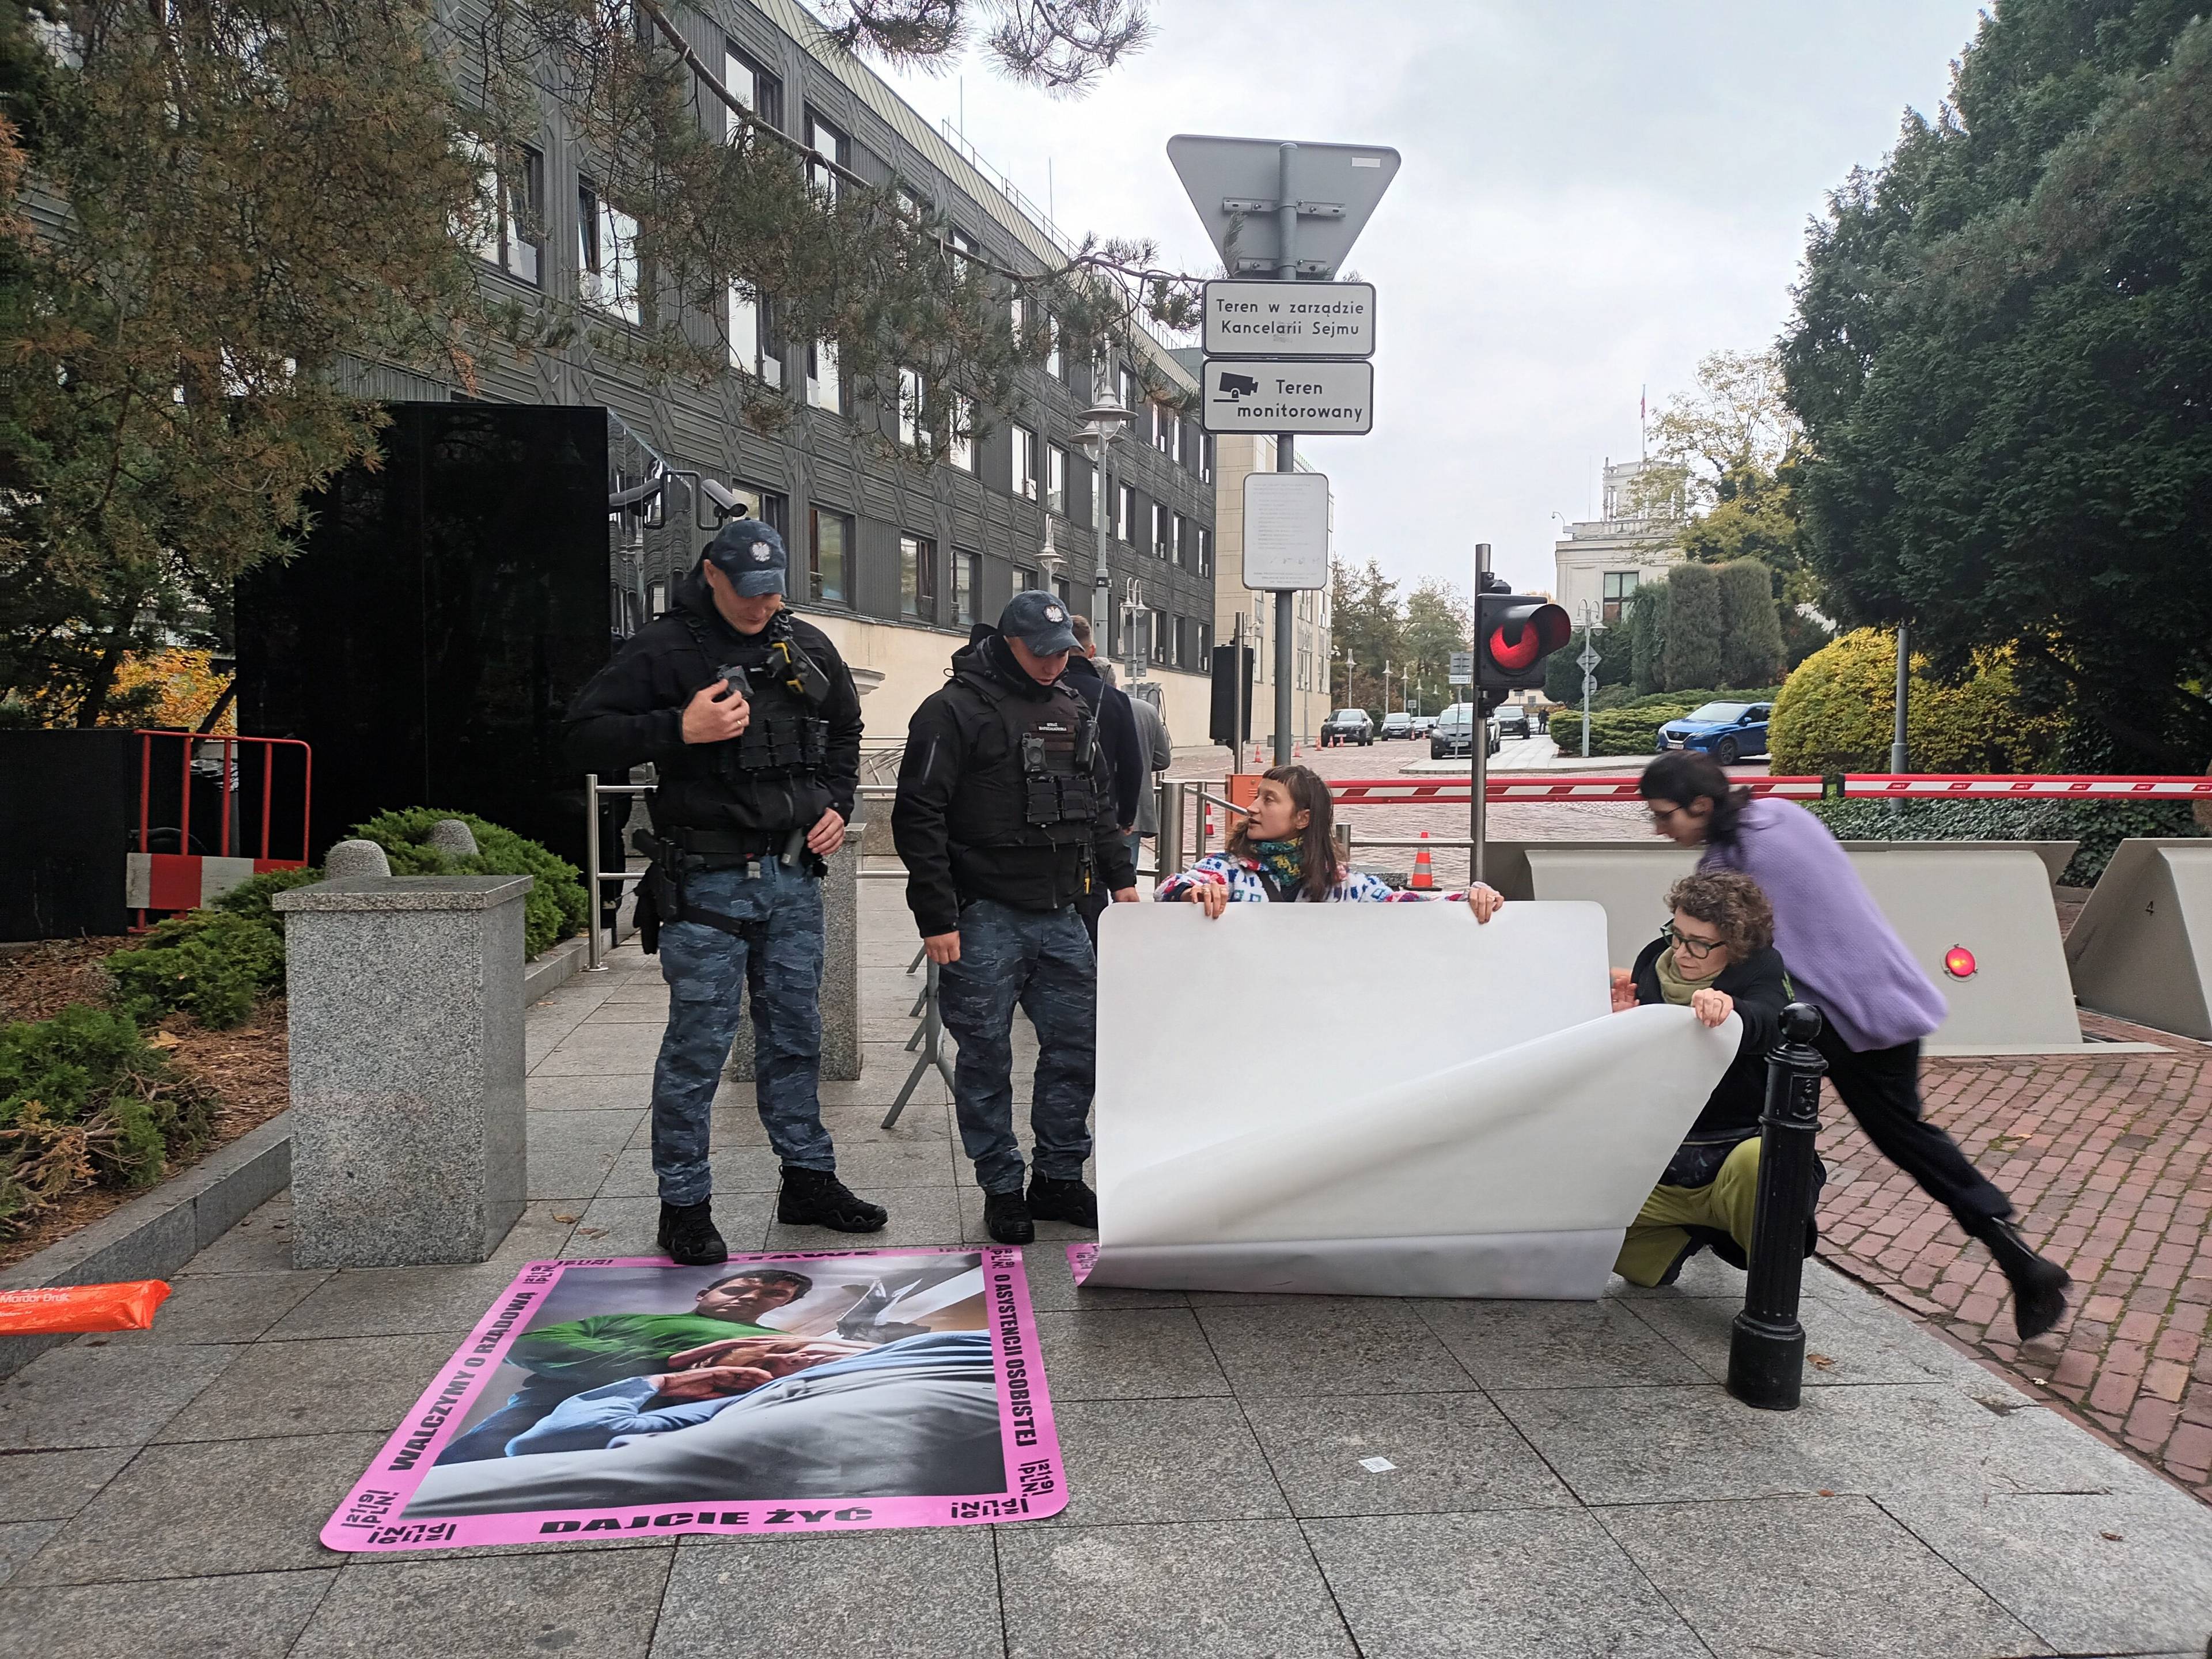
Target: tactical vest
[
  {"x": 785, "y": 738},
  {"x": 1053, "y": 745}
]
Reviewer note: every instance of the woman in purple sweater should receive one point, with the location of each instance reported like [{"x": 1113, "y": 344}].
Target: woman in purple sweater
[{"x": 1875, "y": 1003}]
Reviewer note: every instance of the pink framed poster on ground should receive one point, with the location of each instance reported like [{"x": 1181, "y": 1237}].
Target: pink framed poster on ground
[{"x": 820, "y": 1391}]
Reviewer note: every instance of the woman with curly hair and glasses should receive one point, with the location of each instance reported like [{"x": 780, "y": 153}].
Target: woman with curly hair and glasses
[
  {"x": 1716, "y": 957},
  {"x": 1283, "y": 850},
  {"x": 1876, "y": 1004}
]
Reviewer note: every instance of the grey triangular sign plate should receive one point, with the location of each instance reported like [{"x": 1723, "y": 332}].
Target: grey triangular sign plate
[{"x": 1235, "y": 185}]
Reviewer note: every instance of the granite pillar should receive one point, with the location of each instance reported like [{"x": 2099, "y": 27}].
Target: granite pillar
[
  {"x": 840, "y": 972},
  {"x": 405, "y": 996}
]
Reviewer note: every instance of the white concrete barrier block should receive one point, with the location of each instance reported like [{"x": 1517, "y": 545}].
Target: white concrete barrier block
[{"x": 2142, "y": 948}]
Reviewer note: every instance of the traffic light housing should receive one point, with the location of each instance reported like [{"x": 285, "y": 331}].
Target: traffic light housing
[{"x": 1514, "y": 634}]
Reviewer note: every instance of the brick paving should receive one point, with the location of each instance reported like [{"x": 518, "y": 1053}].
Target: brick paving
[{"x": 2109, "y": 1162}]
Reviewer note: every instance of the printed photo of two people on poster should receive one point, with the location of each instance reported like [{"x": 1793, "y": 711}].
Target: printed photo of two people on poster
[{"x": 812, "y": 1392}]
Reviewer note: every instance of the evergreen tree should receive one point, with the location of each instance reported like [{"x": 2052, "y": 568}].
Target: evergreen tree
[
  {"x": 1696, "y": 633},
  {"x": 1647, "y": 639},
  {"x": 1751, "y": 629}
]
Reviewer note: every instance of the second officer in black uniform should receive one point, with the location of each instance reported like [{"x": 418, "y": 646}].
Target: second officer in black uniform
[
  {"x": 750, "y": 718},
  {"x": 1006, "y": 820}
]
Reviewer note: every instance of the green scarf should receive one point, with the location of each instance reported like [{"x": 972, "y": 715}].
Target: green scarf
[
  {"x": 1279, "y": 858},
  {"x": 1673, "y": 987}
]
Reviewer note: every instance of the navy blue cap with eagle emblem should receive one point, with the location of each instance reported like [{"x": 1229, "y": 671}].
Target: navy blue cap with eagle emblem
[
  {"x": 1038, "y": 620},
  {"x": 750, "y": 554}
]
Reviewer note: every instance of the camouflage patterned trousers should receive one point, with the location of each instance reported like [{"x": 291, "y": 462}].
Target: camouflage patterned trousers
[
  {"x": 1040, "y": 959},
  {"x": 709, "y": 973}
]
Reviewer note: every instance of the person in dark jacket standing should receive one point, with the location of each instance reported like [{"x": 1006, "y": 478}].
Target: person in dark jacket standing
[
  {"x": 1117, "y": 735},
  {"x": 1004, "y": 820},
  {"x": 1716, "y": 957},
  {"x": 752, "y": 720}
]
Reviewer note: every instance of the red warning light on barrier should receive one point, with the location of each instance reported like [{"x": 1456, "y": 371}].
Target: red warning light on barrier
[{"x": 1959, "y": 963}]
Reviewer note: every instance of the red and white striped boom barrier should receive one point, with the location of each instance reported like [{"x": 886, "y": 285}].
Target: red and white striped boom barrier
[{"x": 1518, "y": 787}]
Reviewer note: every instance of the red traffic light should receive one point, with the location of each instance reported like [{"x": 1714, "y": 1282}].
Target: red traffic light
[
  {"x": 1959, "y": 963},
  {"x": 1519, "y": 632}
]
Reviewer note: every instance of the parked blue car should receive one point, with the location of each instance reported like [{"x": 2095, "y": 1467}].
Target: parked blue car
[{"x": 1728, "y": 732}]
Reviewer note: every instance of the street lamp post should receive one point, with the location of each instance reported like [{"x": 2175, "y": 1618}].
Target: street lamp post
[{"x": 1103, "y": 423}]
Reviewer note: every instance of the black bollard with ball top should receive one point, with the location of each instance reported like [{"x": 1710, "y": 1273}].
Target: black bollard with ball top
[{"x": 1766, "y": 1345}]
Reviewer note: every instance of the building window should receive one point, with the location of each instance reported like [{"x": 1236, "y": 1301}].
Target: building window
[
  {"x": 1125, "y": 382},
  {"x": 751, "y": 351},
  {"x": 961, "y": 450},
  {"x": 1163, "y": 531},
  {"x": 513, "y": 187},
  {"x": 918, "y": 578},
  {"x": 1179, "y": 656},
  {"x": 912, "y": 432},
  {"x": 823, "y": 389},
  {"x": 1125, "y": 511},
  {"x": 1205, "y": 458},
  {"x": 656, "y": 597},
  {"x": 964, "y": 256},
  {"x": 1205, "y": 645},
  {"x": 1160, "y": 637},
  {"x": 772, "y": 509},
  {"x": 828, "y": 546},
  {"x": 1024, "y": 579},
  {"x": 1204, "y": 551},
  {"x": 608, "y": 252},
  {"x": 829, "y": 145},
  {"x": 751, "y": 86},
  {"x": 1165, "y": 426},
  {"x": 1053, "y": 364},
  {"x": 1017, "y": 315},
  {"x": 967, "y": 583},
  {"x": 1056, "y": 478},
  {"x": 1619, "y": 588},
  {"x": 1026, "y": 462}
]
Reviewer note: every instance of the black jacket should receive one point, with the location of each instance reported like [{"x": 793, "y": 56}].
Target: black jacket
[
  {"x": 1761, "y": 990},
  {"x": 1117, "y": 733},
  {"x": 960, "y": 776},
  {"x": 632, "y": 712}
]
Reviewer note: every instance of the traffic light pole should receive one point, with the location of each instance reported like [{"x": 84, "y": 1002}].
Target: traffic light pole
[{"x": 1479, "y": 771}]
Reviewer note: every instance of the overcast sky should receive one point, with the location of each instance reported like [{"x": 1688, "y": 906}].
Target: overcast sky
[{"x": 1594, "y": 195}]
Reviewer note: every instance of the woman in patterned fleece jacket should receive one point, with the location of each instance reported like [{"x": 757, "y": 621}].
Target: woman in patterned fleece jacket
[{"x": 1285, "y": 849}]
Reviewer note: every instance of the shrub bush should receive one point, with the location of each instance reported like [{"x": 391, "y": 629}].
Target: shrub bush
[
  {"x": 1836, "y": 713},
  {"x": 249, "y": 898},
  {"x": 2099, "y": 826},
  {"x": 1751, "y": 627},
  {"x": 557, "y": 904},
  {"x": 1696, "y": 631},
  {"x": 83, "y": 1100},
  {"x": 211, "y": 963}
]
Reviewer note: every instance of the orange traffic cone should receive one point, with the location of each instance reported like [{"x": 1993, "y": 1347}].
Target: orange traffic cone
[{"x": 1424, "y": 874}]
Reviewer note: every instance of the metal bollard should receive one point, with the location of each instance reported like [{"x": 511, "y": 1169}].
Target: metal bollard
[
  {"x": 1767, "y": 1345},
  {"x": 1168, "y": 844}
]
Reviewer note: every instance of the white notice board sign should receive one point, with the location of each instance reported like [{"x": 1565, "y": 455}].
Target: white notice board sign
[
  {"x": 1285, "y": 530},
  {"x": 1289, "y": 320}
]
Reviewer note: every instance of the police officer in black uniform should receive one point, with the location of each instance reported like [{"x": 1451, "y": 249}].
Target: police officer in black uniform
[
  {"x": 1005, "y": 821},
  {"x": 750, "y": 718}
]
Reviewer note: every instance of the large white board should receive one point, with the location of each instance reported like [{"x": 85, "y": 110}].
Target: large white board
[{"x": 1385, "y": 1099}]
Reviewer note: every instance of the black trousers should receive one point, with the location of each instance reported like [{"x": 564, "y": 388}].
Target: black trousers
[{"x": 1881, "y": 1087}]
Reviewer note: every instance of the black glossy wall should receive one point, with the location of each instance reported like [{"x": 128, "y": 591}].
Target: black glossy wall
[{"x": 444, "y": 608}]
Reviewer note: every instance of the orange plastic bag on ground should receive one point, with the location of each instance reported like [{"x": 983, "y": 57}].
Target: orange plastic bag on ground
[{"x": 82, "y": 1308}]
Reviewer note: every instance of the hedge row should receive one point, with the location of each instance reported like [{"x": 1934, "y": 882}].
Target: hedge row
[{"x": 2099, "y": 826}]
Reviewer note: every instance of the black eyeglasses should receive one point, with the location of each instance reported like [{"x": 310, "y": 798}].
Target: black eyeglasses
[{"x": 1698, "y": 948}]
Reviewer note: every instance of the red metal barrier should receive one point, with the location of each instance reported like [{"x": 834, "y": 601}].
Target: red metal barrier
[
  {"x": 1524, "y": 787},
  {"x": 184, "y": 879}
]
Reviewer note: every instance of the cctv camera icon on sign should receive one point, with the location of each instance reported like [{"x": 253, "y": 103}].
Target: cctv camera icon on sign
[{"x": 1238, "y": 386}]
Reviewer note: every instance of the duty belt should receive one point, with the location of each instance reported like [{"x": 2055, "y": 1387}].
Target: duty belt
[{"x": 683, "y": 851}]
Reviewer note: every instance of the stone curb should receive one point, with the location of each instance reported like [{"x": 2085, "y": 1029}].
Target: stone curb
[{"x": 153, "y": 1236}]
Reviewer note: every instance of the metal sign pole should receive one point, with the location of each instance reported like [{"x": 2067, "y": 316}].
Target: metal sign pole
[
  {"x": 1480, "y": 769},
  {"x": 1286, "y": 220},
  {"x": 1236, "y": 692}
]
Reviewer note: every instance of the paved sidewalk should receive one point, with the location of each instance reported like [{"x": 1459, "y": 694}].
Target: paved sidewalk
[
  {"x": 1569, "y": 1479},
  {"x": 2110, "y": 1164}
]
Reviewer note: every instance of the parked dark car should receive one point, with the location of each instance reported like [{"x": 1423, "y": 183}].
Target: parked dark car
[
  {"x": 1510, "y": 720},
  {"x": 1424, "y": 724},
  {"x": 1397, "y": 724},
  {"x": 1728, "y": 732},
  {"x": 1454, "y": 732},
  {"x": 1348, "y": 726}
]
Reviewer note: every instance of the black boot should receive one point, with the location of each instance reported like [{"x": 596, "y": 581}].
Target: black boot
[
  {"x": 1006, "y": 1218},
  {"x": 1063, "y": 1200},
  {"x": 2039, "y": 1285},
  {"x": 688, "y": 1235},
  {"x": 816, "y": 1198}
]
